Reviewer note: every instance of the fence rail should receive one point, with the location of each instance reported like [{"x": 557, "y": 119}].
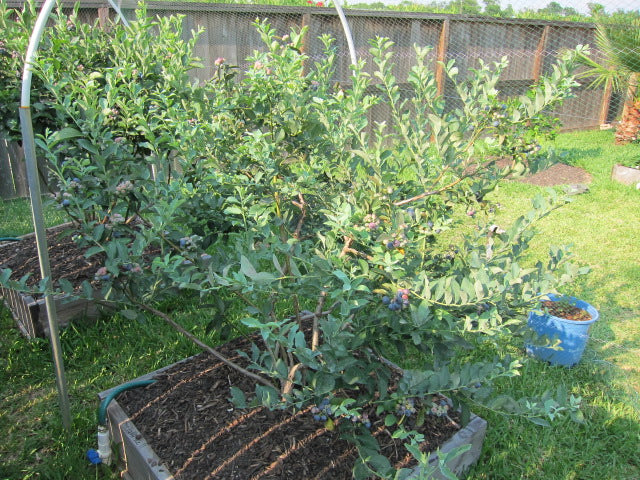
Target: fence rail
[{"x": 531, "y": 47}]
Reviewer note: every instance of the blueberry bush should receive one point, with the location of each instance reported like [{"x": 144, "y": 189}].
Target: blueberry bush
[{"x": 335, "y": 234}]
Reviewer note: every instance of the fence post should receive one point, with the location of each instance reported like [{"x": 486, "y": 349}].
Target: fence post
[
  {"x": 442, "y": 55},
  {"x": 13, "y": 177},
  {"x": 538, "y": 59}
]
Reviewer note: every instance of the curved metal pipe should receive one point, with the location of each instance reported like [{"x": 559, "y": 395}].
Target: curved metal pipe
[
  {"x": 28, "y": 143},
  {"x": 347, "y": 31}
]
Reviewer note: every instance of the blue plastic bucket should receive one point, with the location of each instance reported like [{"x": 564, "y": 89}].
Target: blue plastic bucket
[{"x": 572, "y": 334}]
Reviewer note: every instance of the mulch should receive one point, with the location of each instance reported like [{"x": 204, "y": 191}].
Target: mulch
[
  {"x": 190, "y": 423},
  {"x": 66, "y": 260}
]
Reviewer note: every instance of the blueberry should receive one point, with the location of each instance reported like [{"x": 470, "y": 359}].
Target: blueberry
[
  {"x": 183, "y": 242},
  {"x": 66, "y": 202},
  {"x": 386, "y": 300},
  {"x": 496, "y": 123},
  {"x": 430, "y": 224},
  {"x": 105, "y": 277},
  {"x": 76, "y": 179},
  {"x": 316, "y": 418},
  {"x": 390, "y": 245},
  {"x": 503, "y": 106}
]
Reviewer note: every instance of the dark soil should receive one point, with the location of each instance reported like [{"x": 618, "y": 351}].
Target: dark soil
[
  {"x": 558, "y": 174},
  {"x": 66, "y": 259},
  {"x": 189, "y": 422},
  {"x": 566, "y": 311}
]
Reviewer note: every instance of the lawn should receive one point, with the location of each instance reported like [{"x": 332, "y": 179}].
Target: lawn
[{"x": 604, "y": 227}]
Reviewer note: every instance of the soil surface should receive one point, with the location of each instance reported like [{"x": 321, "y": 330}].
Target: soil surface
[
  {"x": 565, "y": 310},
  {"x": 188, "y": 420},
  {"x": 558, "y": 174},
  {"x": 66, "y": 259}
]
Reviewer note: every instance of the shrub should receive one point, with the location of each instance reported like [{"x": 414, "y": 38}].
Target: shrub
[{"x": 334, "y": 232}]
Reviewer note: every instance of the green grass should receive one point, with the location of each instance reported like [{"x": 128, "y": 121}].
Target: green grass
[
  {"x": 604, "y": 227},
  {"x": 16, "y": 218}
]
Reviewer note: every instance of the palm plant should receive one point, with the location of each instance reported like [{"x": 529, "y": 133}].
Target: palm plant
[{"x": 619, "y": 70}]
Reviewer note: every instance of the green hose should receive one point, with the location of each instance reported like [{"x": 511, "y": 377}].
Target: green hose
[
  {"x": 9, "y": 239},
  {"x": 102, "y": 410}
]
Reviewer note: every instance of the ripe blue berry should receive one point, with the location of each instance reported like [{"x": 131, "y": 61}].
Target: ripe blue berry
[
  {"x": 386, "y": 300},
  {"x": 496, "y": 123},
  {"x": 66, "y": 202}
]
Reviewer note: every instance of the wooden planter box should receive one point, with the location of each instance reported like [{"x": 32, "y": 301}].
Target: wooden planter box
[
  {"x": 626, "y": 175},
  {"x": 139, "y": 462},
  {"x": 30, "y": 314}
]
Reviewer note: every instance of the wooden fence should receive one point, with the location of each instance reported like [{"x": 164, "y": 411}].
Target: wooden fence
[{"x": 531, "y": 46}]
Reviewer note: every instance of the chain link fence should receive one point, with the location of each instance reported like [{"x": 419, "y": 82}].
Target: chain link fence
[
  {"x": 531, "y": 42},
  {"x": 461, "y": 31}
]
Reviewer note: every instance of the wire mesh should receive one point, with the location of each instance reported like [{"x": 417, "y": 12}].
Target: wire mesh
[{"x": 531, "y": 45}]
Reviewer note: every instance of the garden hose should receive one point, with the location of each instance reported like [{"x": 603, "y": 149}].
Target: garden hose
[
  {"x": 103, "y": 454},
  {"x": 9, "y": 239},
  {"x": 102, "y": 410}
]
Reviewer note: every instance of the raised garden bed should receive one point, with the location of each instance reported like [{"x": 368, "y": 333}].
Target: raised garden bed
[
  {"x": 184, "y": 427},
  {"x": 30, "y": 313}
]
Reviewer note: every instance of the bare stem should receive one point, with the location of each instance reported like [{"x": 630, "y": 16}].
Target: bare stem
[
  {"x": 302, "y": 205},
  {"x": 203, "y": 345},
  {"x": 427, "y": 194},
  {"x": 315, "y": 337}
]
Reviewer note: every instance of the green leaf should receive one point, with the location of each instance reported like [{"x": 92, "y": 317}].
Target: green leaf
[
  {"x": 233, "y": 210},
  {"x": 129, "y": 314},
  {"x": 238, "y": 397},
  {"x": 93, "y": 250},
  {"x": 247, "y": 268},
  {"x": 66, "y": 133},
  {"x": 324, "y": 383},
  {"x": 539, "y": 421}
]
